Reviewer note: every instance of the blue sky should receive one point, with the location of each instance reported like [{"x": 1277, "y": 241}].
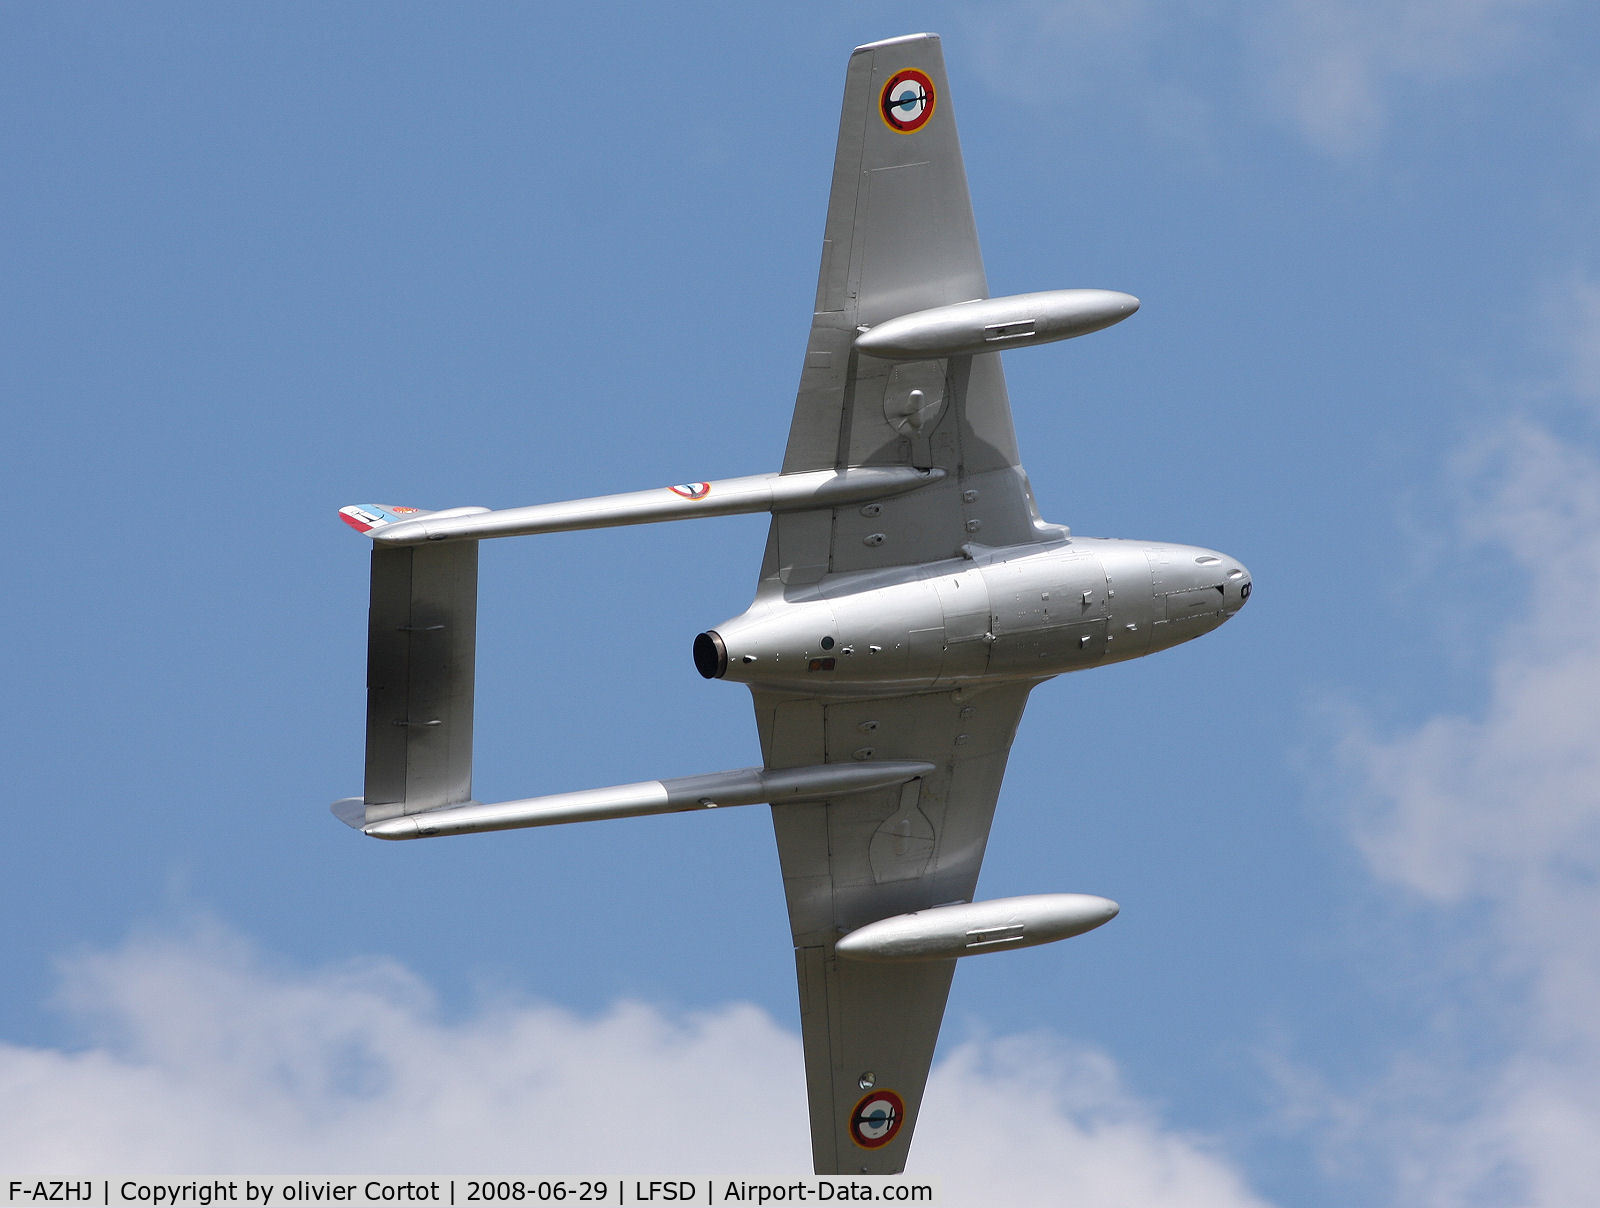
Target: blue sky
[{"x": 264, "y": 262}]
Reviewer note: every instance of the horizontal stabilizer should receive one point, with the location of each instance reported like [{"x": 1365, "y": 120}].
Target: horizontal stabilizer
[{"x": 421, "y": 644}]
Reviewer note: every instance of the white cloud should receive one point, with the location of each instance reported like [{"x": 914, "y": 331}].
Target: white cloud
[
  {"x": 1339, "y": 68},
  {"x": 1083, "y": 61},
  {"x": 1049, "y": 52},
  {"x": 1495, "y": 817},
  {"x": 206, "y": 1060},
  {"x": 1335, "y": 71},
  {"x": 1506, "y": 804},
  {"x": 1051, "y": 1124}
]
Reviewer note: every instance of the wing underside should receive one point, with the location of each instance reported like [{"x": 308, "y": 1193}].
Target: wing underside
[
  {"x": 899, "y": 238},
  {"x": 870, "y": 1028}
]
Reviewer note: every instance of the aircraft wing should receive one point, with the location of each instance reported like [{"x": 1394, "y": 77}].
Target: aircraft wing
[
  {"x": 869, "y": 1028},
  {"x": 899, "y": 238}
]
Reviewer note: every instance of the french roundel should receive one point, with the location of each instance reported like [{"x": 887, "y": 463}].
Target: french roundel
[
  {"x": 876, "y": 1119},
  {"x": 907, "y": 100}
]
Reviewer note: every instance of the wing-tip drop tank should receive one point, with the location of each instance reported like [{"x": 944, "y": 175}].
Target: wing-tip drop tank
[
  {"x": 969, "y": 928},
  {"x": 992, "y": 324}
]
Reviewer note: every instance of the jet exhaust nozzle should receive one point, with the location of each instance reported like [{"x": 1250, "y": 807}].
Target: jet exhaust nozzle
[{"x": 710, "y": 655}]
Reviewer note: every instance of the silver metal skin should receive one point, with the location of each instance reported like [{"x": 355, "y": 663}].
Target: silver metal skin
[
  {"x": 972, "y": 928},
  {"x": 747, "y": 786},
  {"x": 992, "y": 324},
  {"x": 909, "y": 599},
  {"x": 728, "y": 497},
  {"x": 1020, "y": 613}
]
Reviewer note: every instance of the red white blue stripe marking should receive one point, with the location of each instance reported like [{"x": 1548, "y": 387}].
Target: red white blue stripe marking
[{"x": 364, "y": 517}]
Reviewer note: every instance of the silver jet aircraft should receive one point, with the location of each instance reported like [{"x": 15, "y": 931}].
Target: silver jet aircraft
[{"x": 910, "y": 598}]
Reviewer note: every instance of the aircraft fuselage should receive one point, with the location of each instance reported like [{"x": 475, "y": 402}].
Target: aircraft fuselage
[{"x": 1023, "y": 612}]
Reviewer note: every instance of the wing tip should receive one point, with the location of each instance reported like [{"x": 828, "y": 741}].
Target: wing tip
[{"x": 903, "y": 39}]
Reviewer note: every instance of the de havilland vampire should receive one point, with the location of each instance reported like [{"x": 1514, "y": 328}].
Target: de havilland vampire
[{"x": 909, "y": 600}]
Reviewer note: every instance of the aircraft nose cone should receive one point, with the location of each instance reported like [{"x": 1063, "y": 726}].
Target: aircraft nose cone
[{"x": 1238, "y": 586}]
